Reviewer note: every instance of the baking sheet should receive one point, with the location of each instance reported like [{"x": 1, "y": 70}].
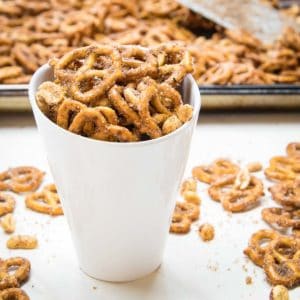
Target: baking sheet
[
  {"x": 14, "y": 97},
  {"x": 191, "y": 269}
]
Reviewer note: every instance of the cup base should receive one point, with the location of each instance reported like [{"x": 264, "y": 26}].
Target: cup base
[{"x": 115, "y": 279}]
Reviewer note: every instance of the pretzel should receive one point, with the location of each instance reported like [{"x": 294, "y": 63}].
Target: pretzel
[
  {"x": 77, "y": 23},
  {"x": 255, "y": 250},
  {"x": 206, "y": 232},
  {"x": 281, "y": 217},
  {"x": 48, "y": 97},
  {"x": 18, "y": 276},
  {"x": 293, "y": 149},
  {"x": 13, "y": 293},
  {"x": 94, "y": 70},
  {"x": 180, "y": 224},
  {"x": 254, "y": 167},
  {"x": 22, "y": 242},
  {"x": 209, "y": 173},
  {"x": 237, "y": 200},
  {"x": 103, "y": 130},
  {"x": 283, "y": 168},
  {"x": 287, "y": 193},
  {"x": 7, "y": 204},
  {"x": 221, "y": 187},
  {"x": 21, "y": 179},
  {"x": 191, "y": 197},
  {"x": 281, "y": 261},
  {"x": 46, "y": 201},
  {"x": 188, "y": 185},
  {"x": 9, "y": 72},
  {"x": 137, "y": 62},
  {"x": 173, "y": 63},
  {"x": 189, "y": 210},
  {"x": 8, "y": 223}
]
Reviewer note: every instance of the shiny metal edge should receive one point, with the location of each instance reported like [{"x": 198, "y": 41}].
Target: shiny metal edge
[{"x": 209, "y": 102}]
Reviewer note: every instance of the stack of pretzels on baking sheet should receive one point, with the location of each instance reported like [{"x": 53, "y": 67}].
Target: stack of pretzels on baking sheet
[
  {"x": 277, "y": 250},
  {"x": 32, "y": 32},
  {"x": 118, "y": 93}
]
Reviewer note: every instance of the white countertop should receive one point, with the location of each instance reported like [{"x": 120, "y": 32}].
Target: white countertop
[{"x": 191, "y": 268}]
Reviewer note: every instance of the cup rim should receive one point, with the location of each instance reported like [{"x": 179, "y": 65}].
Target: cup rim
[{"x": 44, "y": 68}]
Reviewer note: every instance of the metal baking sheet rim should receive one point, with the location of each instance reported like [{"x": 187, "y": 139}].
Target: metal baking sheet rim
[{"x": 14, "y": 98}]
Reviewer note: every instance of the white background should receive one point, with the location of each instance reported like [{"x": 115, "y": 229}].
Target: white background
[{"x": 191, "y": 268}]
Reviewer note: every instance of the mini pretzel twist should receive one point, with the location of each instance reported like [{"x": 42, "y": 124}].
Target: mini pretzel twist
[
  {"x": 21, "y": 179},
  {"x": 13, "y": 293},
  {"x": 281, "y": 217},
  {"x": 287, "y": 193},
  {"x": 7, "y": 204},
  {"x": 283, "y": 168},
  {"x": 173, "y": 63},
  {"x": 282, "y": 261},
  {"x": 219, "y": 168},
  {"x": 189, "y": 210},
  {"x": 18, "y": 276},
  {"x": 47, "y": 201},
  {"x": 256, "y": 250},
  {"x": 22, "y": 242},
  {"x": 93, "y": 69},
  {"x": 180, "y": 224},
  {"x": 237, "y": 200},
  {"x": 137, "y": 62},
  {"x": 293, "y": 149}
]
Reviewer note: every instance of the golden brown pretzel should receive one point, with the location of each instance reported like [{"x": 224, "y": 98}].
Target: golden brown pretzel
[
  {"x": 93, "y": 69},
  {"x": 293, "y": 149},
  {"x": 137, "y": 62},
  {"x": 281, "y": 217},
  {"x": 7, "y": 203},
  {"x": 189, "y": 210},
  {"x": 173, "y": 63},
  {"x": 22, "y": 242},
  {"x": 283, "y": 168},
  {"x": 13, "y": 294},
  {"x": 46, "y": 201},
  {"x": 237, "y": 200},
  {"x": 19, "y": 275},
  {"x": 287, "y": 193},
  {"x": 180, "y": 224},
  {"x": 282, "y": 261},
  {"x": 220, "y": 167},
  {"x": 21, "y": 179},
  {"x": 255, "y": 250}
]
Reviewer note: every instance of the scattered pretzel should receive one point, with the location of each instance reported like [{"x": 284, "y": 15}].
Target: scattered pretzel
[
  {"x": 7, "y": 204},
  {"x": 8, "y": 223},
  {"x": 20, "y": 274},
  {"x": 209, "y": 173},
  {"x": 22, "y": 242},
  {"x": 13, "y": 293},
  {"x": 287, "y": 193},
  {"x": 46, "y": 201},
  {"x": 281, "y": 217},
  {"x": 293, "y": 149},
  {"x": 189, "y": 210},
  {"x": 256, "y": 250},
  {"x": 206, "y": 232},
  {"x": 283, "y": 168},
  {"x": 238, "y": 200},
  {"x": 21, "y": 179},
  {"x": 180, "y": 224},
  {"x": 282, "y": 261}
]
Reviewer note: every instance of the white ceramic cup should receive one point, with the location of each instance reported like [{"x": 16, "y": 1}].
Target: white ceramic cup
[{"x": 118, "y": 197}]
